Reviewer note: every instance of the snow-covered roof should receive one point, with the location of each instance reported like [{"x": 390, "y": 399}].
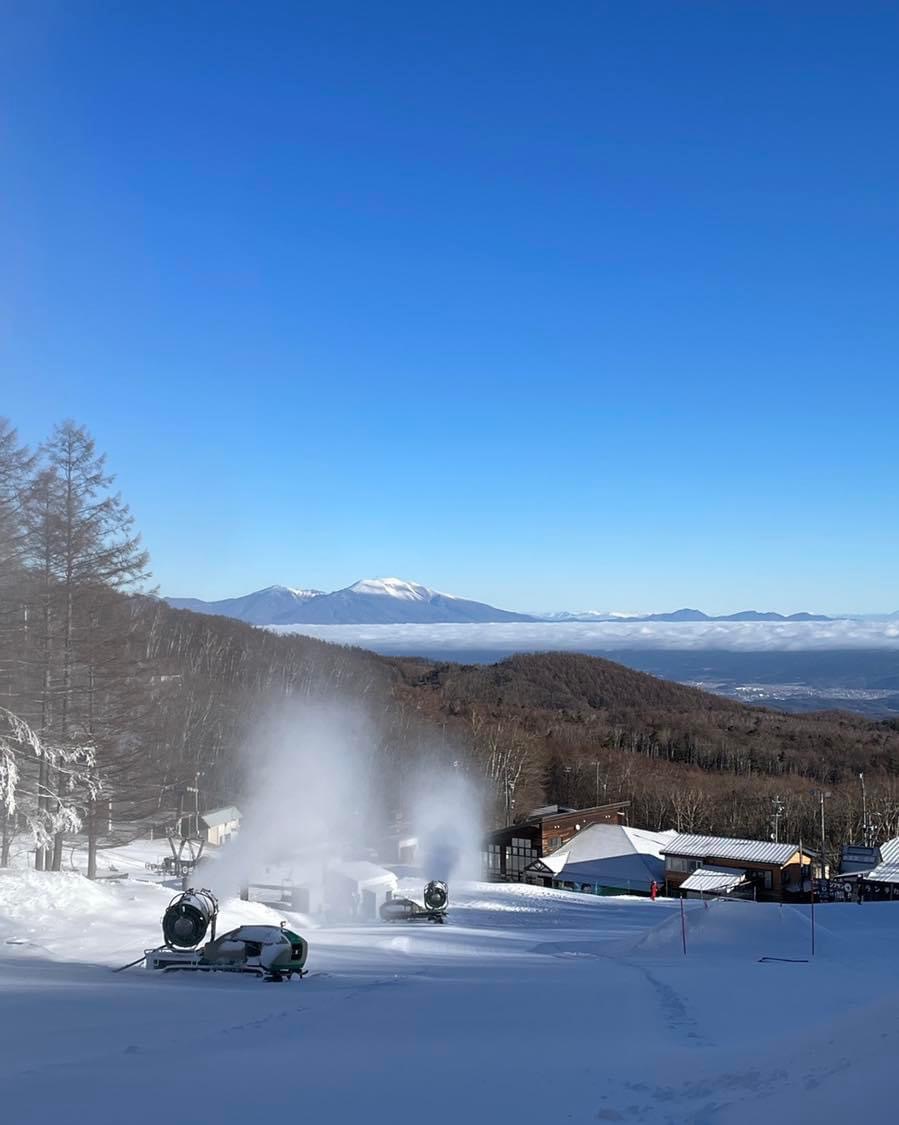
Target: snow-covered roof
[
  {"x": 883, "y": 873},
  {"x": 555, "y": 862},
  {"x": 609, "y": 855},
  {"x": 723, "y": 847},
  {"x": 215, "y": 817},
  {"x": 889, "y": 851},
  {"x": 714, "y": 879},
  {"x": 362, "y": 872}
]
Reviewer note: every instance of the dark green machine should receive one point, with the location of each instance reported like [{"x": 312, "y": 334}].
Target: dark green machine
[
  {"x": 433, "y": 908},
  {"x": 273, "y": 953}
]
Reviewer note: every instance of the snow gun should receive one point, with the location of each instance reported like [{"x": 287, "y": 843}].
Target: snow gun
[
  {"x": 273, "y": 953},
  {"x": 432, "y": 909}
]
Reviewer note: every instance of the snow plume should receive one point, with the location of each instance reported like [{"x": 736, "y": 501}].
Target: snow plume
[
  {"x": 310, "y": 798},
  {"x": 318, "y": 787},
  {"x": 446, "y": 816}
]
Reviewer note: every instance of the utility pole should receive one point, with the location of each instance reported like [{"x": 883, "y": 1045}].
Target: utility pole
[
  {"x": 596, "y": 799},
  {"x": 866, "y": 835},
  {"x": 778, "y": 806},
  {"x": 822, "y": 795},
  {"x": 510, "y": 803}
]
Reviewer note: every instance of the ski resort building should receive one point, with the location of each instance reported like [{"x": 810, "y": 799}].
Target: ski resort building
[
  {"x": 701, "y": 865},
  {"x": 605, "y": 859},
  {"x": 508, "y": 851},
  {"x": 879, "y": 881},
  {"x": 219, "y": 825},
  {"x": 356, "y": 889}
]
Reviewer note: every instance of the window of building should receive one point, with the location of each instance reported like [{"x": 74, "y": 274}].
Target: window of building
[
  {"x": 519, "y": 855},
  {"x": 682, "y": 864},
  {"x": 492, "y": 858}
]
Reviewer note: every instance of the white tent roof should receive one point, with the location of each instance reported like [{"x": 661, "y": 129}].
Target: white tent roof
[
  {"x": 362, "y": 872},
  {"x": 713, "y": 879},
  {"x": 610, "y": 855}
]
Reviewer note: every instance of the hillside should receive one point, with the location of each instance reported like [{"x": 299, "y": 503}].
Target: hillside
[{"x": 576, "y": 729}]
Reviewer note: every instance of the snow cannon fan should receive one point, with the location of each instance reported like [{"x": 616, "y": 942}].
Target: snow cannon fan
[
  {"x": 188, "y": 917},
  {"x": 436, "y": 896}
]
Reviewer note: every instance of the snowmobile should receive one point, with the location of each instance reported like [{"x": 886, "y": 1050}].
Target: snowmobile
[
  {"x": 273, "y": 953},
  {"x": 436, "y": 899}
]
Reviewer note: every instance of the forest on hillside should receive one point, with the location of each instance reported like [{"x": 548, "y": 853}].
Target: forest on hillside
[
  {"x": 115, "y": 708},
  {"x": 581, "y": 730}
]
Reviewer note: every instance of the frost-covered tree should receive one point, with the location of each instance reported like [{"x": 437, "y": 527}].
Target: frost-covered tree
[{"x": 23, "y": 754}]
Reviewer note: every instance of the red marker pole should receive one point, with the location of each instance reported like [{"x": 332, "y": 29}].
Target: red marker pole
[{"x": 683, "y": 925}]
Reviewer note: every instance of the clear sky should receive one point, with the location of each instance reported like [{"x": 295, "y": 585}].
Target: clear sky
[{"x": 575, "y": 305}]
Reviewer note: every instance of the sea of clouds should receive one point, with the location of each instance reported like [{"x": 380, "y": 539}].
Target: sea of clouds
[{"x": 607, "y": 636}]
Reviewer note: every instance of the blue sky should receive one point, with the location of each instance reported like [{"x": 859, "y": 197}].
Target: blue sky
[{"x": 587, "y": 305}]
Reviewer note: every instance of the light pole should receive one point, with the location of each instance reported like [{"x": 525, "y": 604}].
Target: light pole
[
  {"x": 866, "y": 835},
  {"x": 822, "y": 795},
  {"x": 778, "y": 809},
  {"x": 510, "y": 801},
  {"x": 596, "y": 800}
]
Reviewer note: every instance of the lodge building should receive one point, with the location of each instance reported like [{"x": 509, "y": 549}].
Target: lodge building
[
  {"x": 701, "y": 865},
  {"x": 508, "y": 851}
]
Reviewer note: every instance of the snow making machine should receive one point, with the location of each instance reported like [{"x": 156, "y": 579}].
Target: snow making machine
[
  {"x": 432, "y": 909},
  {"x": 273, "y": 953}
]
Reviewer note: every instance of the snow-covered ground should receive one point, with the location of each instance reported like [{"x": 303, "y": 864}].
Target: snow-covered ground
[{"x": 529, "y": 1006}]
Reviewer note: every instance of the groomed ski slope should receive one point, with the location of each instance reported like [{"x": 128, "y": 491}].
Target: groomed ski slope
[{"x": 531, "y": 1006}]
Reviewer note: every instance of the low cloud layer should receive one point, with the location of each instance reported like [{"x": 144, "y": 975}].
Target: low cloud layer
[{"x": 733, "y": 636}]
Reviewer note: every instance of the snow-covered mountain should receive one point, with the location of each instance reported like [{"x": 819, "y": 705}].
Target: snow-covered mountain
[
  {"x": 262, "y": 607},
  {"x": 394, "y": 601},
  {"x": 371, "y": 601}
]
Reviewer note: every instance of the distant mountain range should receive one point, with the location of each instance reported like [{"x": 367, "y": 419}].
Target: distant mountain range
[
  {"x": 683, "y": 615},
  {"x": 393, "y": 601},
  {"x": 372, "y": 601}
]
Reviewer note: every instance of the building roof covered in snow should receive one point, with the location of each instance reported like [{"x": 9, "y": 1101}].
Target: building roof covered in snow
[
  {"x": 225, "y": 815},
  {"x": 884, "y": 873},
  {"x": 723, "y": 847},
  {"x": 714, "y": 879},
  {"x": 889, "y": 851},
  {"x": 608, "y": 855}
]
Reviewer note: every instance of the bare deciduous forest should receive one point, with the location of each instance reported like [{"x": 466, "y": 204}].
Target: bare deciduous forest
[{"x": 112, "y": 704}]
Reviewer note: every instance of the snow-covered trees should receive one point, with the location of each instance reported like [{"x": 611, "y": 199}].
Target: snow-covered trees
[{"x": 26, "y": 762}]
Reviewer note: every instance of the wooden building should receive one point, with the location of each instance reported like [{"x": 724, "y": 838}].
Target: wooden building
[
  {"x": 508, "y": 851},
  {"x": 702, "y": 865}
]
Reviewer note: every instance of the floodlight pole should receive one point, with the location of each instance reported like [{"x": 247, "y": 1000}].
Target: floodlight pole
[
  {"x": 822, "y": 795},
  {"x": 865, "y": 831}
]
